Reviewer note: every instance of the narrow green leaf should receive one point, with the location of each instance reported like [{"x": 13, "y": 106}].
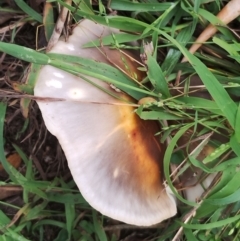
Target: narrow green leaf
[
  {"x": 235, "y": 144},
  {"x": 66, "y": 198},
  {"x": 24, "y": 53},
  {"x": 228, "y": 186},
  {"x": 108, "y": 40},
  {"x": 126, "y": 5},
  {"x": 70, "y": 216},
  {"x": 210, "y": 226},
  {"x": 189, "y": 235},
  {"x": 48, "y": 20},
  {"x": 9, "y": 232},
  {"x": 36, "y": 211},
  {"x": 32, "y": 77},
  {"x": 237, "y": 125},
  {"x": 223, "y": 148},
  {"x": 234, "y": 197},
  {"x": 167, "y": 159},
  {"x": 157, "y": 77},
  {"x": 4, "y": 219},
  {"x": 234, "y": 162},
  {"x": 200, "y": 103},
  {"x": 49, "y": 222},
  {"x": 224, "y": 45},
  {"x": 157, "y": 115},
  {"x": 98, "y": 227},
  {"x": 85, "y": 6},
  {"x": 102, "y": 71},
  {"x": 173, "y": 54},
  {"x": 200, "y": 165},
  {"x": 28, "y": 10},
  {"x": 7, "y": 167}
]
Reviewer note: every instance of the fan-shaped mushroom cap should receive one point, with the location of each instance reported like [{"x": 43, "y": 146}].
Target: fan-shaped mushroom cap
[{"x": 113, "y": 156}]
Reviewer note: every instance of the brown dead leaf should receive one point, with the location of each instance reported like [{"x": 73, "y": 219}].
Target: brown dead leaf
[
  {"x": 9, "y": 191},
  {"x": 14, "y": 159}
]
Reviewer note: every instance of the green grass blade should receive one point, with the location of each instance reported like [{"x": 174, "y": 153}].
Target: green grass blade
[
  {"x": 234, "y": 143},
  {"x": 8, "y": 168},
  {"x": 48, "y": 20},
  {"x": 237, "y": 125},
  {"x": 167, "y": 159},
  {"x": 126, "y": 5},
  {"x": 24, "y": 53},
  {"x": 28, "y": 10},
  {"x": 98, "y": 227},
  {"x": 70, "y": 216},
  {"x": 157, "y": 77},
  {"x": 210, "y": 226}
]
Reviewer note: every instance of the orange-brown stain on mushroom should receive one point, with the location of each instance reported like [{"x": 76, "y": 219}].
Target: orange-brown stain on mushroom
[{"x": 145, "y": 162}]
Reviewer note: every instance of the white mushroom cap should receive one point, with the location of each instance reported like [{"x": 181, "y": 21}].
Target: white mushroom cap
[
  {"x": 194, "y": 192},
  {"x": 193, "y": 180},
  {"x": 113, "y": 156}
]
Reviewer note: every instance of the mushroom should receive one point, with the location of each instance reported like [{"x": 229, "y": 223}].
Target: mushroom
[
  {"x": 195, "y": 188},
  {"x": 194, "y": 180},
  {"x": 114, "y": 157}
]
